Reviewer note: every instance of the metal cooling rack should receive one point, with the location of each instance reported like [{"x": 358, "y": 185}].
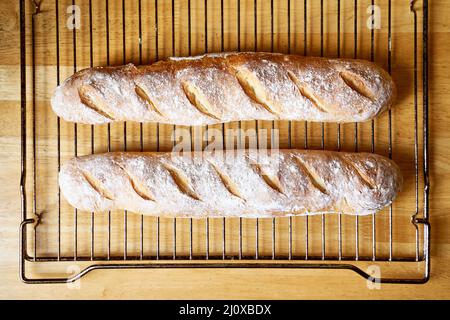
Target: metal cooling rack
[{"x": 265, "y": 252}]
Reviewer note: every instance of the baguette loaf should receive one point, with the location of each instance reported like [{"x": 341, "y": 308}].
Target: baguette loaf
[
  {"x": 231, "y": 183},
  {"x": 217, "y": 88}
]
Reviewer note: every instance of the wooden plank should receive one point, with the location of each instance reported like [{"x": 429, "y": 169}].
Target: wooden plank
[{"x": 217, "y": 283}]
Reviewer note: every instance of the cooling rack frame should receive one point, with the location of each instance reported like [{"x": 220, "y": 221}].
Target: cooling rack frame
[{"x": 308, "y": 262}]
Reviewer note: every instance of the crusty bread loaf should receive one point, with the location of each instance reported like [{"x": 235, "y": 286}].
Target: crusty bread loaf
[
  {"x": 216, "y": 88},
  {"x": 231, "y": 183}
]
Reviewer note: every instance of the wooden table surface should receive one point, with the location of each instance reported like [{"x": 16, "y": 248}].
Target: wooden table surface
[{"x": 226, "y": 283}]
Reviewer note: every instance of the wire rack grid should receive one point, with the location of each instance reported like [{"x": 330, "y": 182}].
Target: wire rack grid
[{"x": 54, "y": 236}]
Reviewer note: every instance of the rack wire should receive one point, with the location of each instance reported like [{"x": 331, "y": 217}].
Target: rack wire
[{"x": 293, "y": 242}]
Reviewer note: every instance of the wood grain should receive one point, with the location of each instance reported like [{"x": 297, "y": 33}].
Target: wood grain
[{"x": 231, "y": 283}]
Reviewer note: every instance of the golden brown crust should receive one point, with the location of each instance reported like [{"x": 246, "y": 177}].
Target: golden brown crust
[
  {"x": 225, "y": 87},
  {"x": 249, "y": 183}
]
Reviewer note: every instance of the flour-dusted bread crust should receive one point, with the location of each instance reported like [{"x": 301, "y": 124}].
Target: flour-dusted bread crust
[
  {"x": 217, "y": 88},
  {"x": 231, "y": 183}
]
